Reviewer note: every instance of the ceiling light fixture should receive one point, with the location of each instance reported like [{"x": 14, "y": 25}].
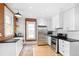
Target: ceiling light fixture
[
  {"x": 18, "y": 14},
  {"x": 30, "y": 7}
]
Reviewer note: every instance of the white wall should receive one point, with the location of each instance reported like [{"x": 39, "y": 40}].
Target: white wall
[
  {"x": 41, "y": 21},
  {"x": 77, "y": 17},
  {"x": 73, "y": 34},
  {"x": 21, "y": 28}
]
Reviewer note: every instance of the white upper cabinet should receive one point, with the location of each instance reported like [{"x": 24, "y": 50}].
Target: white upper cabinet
[
  {"x": 77, "y": 18},
  {"x": 55, "y": 22},
  {"x": 49, "y": 24},
  {"x": 42, "y": 21},
  {"x": 71, "y": 19},
  {"x": 61, "y": 19}
]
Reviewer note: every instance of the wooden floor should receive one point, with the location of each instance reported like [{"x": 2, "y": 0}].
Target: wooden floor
[{"x": 32, "y": 49}]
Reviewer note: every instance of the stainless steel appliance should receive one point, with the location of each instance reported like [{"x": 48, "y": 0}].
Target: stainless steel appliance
[{"x": 42, "y": 35}]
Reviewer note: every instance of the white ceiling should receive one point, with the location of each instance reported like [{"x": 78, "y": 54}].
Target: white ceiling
[{"x": 39, "y": 9}]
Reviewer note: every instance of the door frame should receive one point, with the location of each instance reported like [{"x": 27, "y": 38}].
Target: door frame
[{"x": 31, "y": 20}]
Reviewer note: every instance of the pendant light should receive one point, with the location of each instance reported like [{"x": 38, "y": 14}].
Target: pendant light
[{"x": 18, "y": 14}]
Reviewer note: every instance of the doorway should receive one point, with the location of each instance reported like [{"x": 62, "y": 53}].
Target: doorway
[{"x": 30, "y": 29}]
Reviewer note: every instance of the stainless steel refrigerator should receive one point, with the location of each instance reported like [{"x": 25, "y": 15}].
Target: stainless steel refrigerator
[{"x": 42, "y": 35}]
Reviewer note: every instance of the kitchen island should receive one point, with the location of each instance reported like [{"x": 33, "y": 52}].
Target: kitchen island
[{"x": 11, "y": 47}]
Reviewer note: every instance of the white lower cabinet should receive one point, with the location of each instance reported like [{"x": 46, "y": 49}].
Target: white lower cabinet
[
  {"x": 11, "y": 49},
  {"x": 67, "y": 48},
  {"x": 64, "y": 47},
  {"x": 61, "y": 46},
  {"x": 49, "y": 40},
  {"x": 19, "y": 46}
]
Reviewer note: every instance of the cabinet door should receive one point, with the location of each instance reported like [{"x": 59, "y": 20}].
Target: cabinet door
[
  {"x": 67, "y": 48},
  {"x": 64, "y": 47},
  {"x": 19, "y": 46},
  {"x": 49, "y": 40},
  {"x": 61, "y": 46},
  {"x": 49, "y": 24},
  {"x": 68, "y": 19},
  {"x": 77, "y": 17},
  {"x": 55, "y": 22}
]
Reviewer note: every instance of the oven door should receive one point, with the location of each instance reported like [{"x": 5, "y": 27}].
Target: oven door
[{"x": 53, "y": 40}]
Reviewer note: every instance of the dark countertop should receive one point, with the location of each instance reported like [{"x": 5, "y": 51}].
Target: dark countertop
[
  {"x": 53, "y": 36},
  {"x": 71, "y": 40},
  {"x": 10, "y": 41},
  {"x": 66, "y": 39}
]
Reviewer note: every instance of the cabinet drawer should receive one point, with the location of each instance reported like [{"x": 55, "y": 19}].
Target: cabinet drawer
[
  {"x": 66, "y": 51},
  {"x": 67, "y": 48},
  {"x": 66, "y": 42},
  {"x": 61, "y": 50},
  {"x": 61, "y": 41},
  {"x": 63, "y": 47}
]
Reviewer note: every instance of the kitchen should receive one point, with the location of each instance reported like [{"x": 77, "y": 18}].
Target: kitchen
[{"x": 56, "y": 23}]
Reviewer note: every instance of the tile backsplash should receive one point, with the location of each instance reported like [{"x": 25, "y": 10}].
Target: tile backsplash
[{"x": 73, "y": 34}]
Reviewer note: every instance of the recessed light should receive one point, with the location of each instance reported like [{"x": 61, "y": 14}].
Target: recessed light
[
  {"x": 47, "y": 10},
  {"x": 30, "y": 7}
]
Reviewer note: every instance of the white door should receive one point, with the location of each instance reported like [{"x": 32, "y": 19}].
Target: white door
[{"x": 30, "y": 30}]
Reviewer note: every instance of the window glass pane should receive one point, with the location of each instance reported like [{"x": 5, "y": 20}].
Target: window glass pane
[
  {"x": 8, "y": 23},
  {"x": 30, "y": 30}
]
